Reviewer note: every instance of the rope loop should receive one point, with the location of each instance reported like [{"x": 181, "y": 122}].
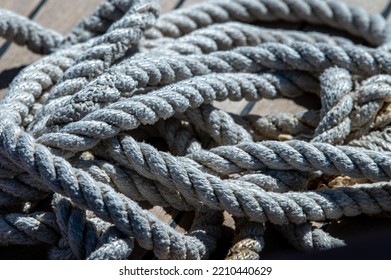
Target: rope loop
[{"x": 123, "y": 114}]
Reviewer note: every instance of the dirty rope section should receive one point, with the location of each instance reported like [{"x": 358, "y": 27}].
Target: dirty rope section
[{"x": 120, "y": 115}]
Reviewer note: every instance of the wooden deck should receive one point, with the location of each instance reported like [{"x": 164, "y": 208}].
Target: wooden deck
[{"x": 62, "y": 15}]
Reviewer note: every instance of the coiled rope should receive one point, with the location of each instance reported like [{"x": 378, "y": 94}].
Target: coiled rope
[{"x": 76, "y": 128}]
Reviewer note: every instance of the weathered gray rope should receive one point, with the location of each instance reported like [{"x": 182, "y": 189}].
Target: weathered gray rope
[
  {"x": 303, "y": 237},
  {"x": 83, "y": 237},
  {"x": 351, "y": 208},
  {"x": 111, "y": 45},
  {"x": 127, "y": 214},
  {"x": 180, "y": 137},
  {"x": 69, "y": 88},
  {"x": 140, "y": 188},
  {"x": 196, "y": 185},
  {"x": 17, "y": 190},
  {"x": 74, "y": 110},
  {"x": 277, "y": 180},
  {"x": 350, "y": 115},
  {"x": 166, "y": 102},
  {"x": 133, "y": 185},
  {"x": 23, "y": 31},
  {"x": 332, "y": 13},
  {"x": 33, "y": 82},
  {"x": 376, "y": 141},
  {"x": 299, "y": 125},
  {"x": 107, "y": 48},
  {"x": 337, "y": 103},
  {"x": 98, "y": 22},
  {"x": 373, "y": 98},
  {"x": 230, "y": 35},
  {"x": 296, "y": 155},
  {"x": 75, "y": 127},
  {"x": 42, "y": 40},
  {"x": 218, "y": 124},
  {"x": 28, "y": 229}
]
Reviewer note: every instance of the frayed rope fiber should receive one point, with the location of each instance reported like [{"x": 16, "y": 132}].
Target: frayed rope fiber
[{"x": 119, "y": 115}]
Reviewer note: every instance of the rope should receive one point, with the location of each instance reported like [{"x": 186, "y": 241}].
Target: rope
[
  {"x": 248, "y": 241},
  {"x": 25, "y": 32},
  {"x": 122, "y": 113}
]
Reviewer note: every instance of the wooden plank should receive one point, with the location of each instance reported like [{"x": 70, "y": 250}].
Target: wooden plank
[
  {"x": 190, "y": 2},
  {"x": 387, "y": 11},
  {"x": 167, "y": 5},
  {"x": 266, "y": 107},
  {"x": 63, "y": 15},
  {"x": 369, "y": 6},
  {"x": 21, "y": 7},
  {"x": 231, "y": 106}
]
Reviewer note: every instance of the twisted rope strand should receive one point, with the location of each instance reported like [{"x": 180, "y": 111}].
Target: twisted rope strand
[
  {"x": 86, "y": 238},
  {"x": 58, "y": 175},
  {"x": 299, "y": 125},
  {"x": 23, "y": 31},
  {"x": 296, "y": 155},
  {"x": 75, "y": 111},
  {"x": 337, "y": 103},
  {"x": 373, "y": 28},
  {"x": 304, "y": 238},
  {"x": 216, "y": 193},
  {"x": 229, "y": 35},
  {"x": 123, "y": 110},
  {"x": 376, "y": 141},
  {"x": 98, "y": 22},
  {"x": 28, "y": 229}
]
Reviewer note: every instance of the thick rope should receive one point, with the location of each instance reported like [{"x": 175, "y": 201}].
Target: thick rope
[
  {"x": 23, "y": 31},
  {"x": 304, "y": 238},
  {"x": 230, "y": 35},
  {"x": 123, "y": 112},
  {"x": 332, "y": 13}
]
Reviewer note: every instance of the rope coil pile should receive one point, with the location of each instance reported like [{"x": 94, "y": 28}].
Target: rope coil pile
[{"x": 120, "y": 114}]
